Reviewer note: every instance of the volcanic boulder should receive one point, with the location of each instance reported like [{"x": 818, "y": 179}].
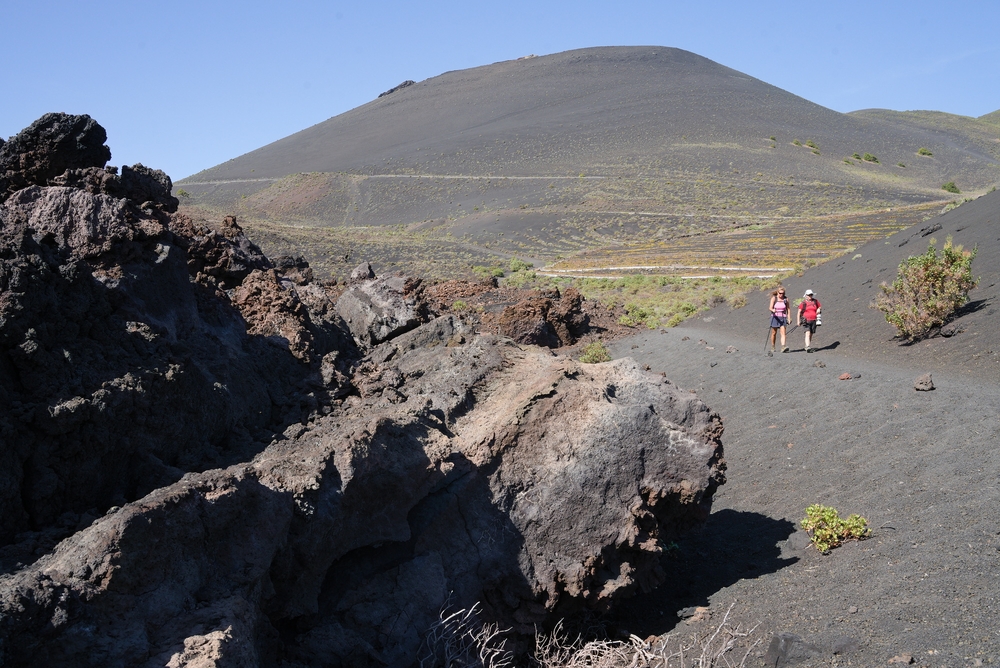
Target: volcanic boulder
[
  {"x": 480, "y": 470},
  {"x": 378, "y": 309}
]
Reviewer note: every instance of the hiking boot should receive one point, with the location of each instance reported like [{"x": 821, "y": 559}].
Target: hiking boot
[
  {"x": 784, "y": 349},
  {"x": 770, "y": 353},
  {"x": 809, "y": 350}
]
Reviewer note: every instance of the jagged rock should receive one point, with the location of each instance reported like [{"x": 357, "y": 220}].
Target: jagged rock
[
  {"x": 923, "y": 383},
  {"x": 150, "y": 186},
  {"x": 294, "y": 269},
  {"x": 47, "y": 148},
  {"x": 220, "y": 258},
  {"x": 117, "y": 373},
  {"x": 408, "y": 82},
  {"x": 502, "y": 475},
  {"x": 542, "y": 319},
  {"x": 379, "y": 309},
  {"x": 362, "y": 272}
]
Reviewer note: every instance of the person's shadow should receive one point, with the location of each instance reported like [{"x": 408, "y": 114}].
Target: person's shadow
[{"x": 732, "y": 546}]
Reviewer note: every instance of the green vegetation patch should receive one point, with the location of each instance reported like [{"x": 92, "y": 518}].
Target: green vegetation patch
[
  {"x": 828, "y": 530},
  {"x": 951, "y": 187},
  {"x": 595, "y": 353},
  {"x": 928, "y": 290}
]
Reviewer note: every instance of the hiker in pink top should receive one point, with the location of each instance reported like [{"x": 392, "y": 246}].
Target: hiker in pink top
[
  {"x": 809, "y": 311},
  {"x": 779, "y": 318}
]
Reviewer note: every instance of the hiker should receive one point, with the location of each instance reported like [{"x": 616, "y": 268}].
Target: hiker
[
  {"x": 809, "y": 311},
  {"x": 779, "y": 318}
]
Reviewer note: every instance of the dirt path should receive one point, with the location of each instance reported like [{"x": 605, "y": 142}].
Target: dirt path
[{"x": 921, "y": 466}]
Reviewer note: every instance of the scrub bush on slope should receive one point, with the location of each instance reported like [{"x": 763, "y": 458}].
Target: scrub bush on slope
[{"x": 928, "y": 290}]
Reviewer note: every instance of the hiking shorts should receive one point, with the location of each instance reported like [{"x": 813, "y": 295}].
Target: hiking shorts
[
  {"x": 777, "y": 322},
  {"x": 810, "y": 325}
]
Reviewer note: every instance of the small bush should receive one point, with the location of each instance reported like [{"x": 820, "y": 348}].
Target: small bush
[
  {"x": 519, "y": 265},
  {"x": 856, "y": 156},
  {"x": 848, "y": 161},
  {"x": 828, "y": 530},
  {"x": 899, "y": 164},
  {"x": 459, "y": 305},
  {"x": 488, "y": 272},
  {"x": 924, "y": 151},
  {"x": 951, "y": 187},
  {"x": 183, "y": 193},
  {"x": 928, "y": 290},
  {"x": 811, "y": 144},
  {"x": 595, "y": 353},
  {"x": 868, "y": 157},
  {"x": 797, "y": 142}
]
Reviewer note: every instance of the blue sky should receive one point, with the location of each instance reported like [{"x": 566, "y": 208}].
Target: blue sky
[{"x": 182, "y": 86}]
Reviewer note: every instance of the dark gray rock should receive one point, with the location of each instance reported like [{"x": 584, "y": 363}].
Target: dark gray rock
[
  {"x": 377, "y": 310},
  {"x": 497, "y": 475},
  {"x": 47, "y": 148}
]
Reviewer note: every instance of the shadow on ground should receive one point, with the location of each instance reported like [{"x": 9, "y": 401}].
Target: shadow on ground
[{"x": 732, "y": 546}]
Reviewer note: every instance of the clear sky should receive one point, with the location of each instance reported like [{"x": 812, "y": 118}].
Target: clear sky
[{"x": 183, "y": 85}]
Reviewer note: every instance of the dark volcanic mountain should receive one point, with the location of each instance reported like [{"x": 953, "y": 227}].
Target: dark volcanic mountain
[{"x": 593, "y": 148}]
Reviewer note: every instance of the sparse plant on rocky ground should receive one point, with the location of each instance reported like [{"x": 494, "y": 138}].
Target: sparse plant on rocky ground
[
  {"x": 828, "y": 530},
  {"x": 595, "y": 353},
  {"x": 460, "y": 640},
  {"x": 811, "y": 144},
  {"x": 868, "y": 157},
  {"x": 899, "y": 164},
  {"x": 928, "y": 290},
  {"x": 951, "y": 187},
  {"x": 488, "y": 272},
  {"x": 183, "y": 193},
  {"x": 723, "y": 645},
  {"x": 924, "y": 151}
]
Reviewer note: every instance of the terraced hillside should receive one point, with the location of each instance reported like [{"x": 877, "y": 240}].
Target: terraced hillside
[{"x": 593, "y": 156}]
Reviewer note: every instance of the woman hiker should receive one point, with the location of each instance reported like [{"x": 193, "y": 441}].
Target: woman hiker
[
  {"x": 779, "y": 318},
  {"x": 809, "y": 311}
]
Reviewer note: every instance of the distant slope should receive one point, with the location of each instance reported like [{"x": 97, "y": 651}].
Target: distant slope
[
  {"x": 593, "y": 148},
  {"x": 849, "y": 284}
]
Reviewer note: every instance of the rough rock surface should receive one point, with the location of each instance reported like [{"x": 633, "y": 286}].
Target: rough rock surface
[
  {"x": 377, "y": 309},
  {"x": 117, "y": 372},
  {"x": 47, "y": 148},
  {"x": 547, "y": 318},
  {"x": 475, "y": 469},
  {"x": 197, "y": 468}
]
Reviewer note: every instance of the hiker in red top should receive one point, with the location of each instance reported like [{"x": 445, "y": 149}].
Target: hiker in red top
[{"x": 809, "y": 311}]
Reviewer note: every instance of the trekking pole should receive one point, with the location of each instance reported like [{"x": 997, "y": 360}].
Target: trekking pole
[{"x": 767, "y": 338}]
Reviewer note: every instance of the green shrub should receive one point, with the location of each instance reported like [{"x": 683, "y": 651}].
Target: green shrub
[
  {"x": 459, "y": 305},
  {"x": 595, "y": 353},
  {"x": 519, "y": 265},
  {"x": 924, "y": 151},
  {"x": 488, "y": 272},
  {"x": 797, "y": 142},
  {"x": 951, "y": 187},
  {"x": 928, "y": 290},
  {"x": 828, "y": 530},
  {"x": 856, "y": 156},
  {"x": 520, "y": 279},
  {"x": 868, "y": 157},
  {"x": 899, "y": 164},
  {"x": 848, "y": 161},
  {"x": 639, "y": 314},
  {"x": 811, "y": 144}
]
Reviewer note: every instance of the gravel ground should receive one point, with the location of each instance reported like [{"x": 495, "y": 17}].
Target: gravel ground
[{"x": 920, "y": 466}]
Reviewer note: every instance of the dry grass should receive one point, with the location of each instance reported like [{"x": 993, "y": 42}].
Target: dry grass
[
  {"x": 460, "y": 640},
  {"x": 725, "y": 645}
]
